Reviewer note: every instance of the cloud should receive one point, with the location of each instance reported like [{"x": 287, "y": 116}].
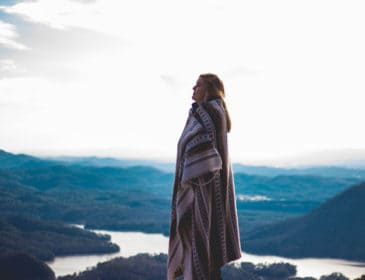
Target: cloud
[
  {"x": 85, "y": 1},
  {"x": 241, "y": 71},
  {"x": 57, "y": 14},
  {"x": 9, "y": 36},
  {"x": 100, "y": 16},
  {"x": 58, "y": 54},
  {"x": 8, "y": 68},
  {"x": 7, "y": 65},
  {"x": 292, "y": 85},
  {"x": 172, "y": 81}
]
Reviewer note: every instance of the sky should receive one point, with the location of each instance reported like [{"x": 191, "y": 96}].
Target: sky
[{"x": 115, "y": 78}]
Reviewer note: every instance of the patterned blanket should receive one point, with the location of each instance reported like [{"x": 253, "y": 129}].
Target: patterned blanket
[{"x": 204, "y": 231}]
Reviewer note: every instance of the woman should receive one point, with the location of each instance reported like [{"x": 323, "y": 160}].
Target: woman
[{"x": 204, "y": 232}]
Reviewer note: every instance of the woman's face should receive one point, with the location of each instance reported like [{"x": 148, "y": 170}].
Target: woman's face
[{"x": 199, "y": 91}]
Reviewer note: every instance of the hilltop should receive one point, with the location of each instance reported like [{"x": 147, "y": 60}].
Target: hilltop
[{"x": 335, "y": 229}]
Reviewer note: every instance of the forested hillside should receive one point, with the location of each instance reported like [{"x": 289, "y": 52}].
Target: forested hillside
[{"x": 336, "y": 229}]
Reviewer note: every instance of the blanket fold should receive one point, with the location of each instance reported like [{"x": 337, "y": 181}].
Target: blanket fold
[{"x": 204, "y": 232}]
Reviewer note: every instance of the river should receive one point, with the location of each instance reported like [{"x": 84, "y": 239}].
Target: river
[{"x": 132, "y": 243}]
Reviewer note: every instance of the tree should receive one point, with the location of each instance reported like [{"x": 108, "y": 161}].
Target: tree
[{"x": 334, "y": 276}]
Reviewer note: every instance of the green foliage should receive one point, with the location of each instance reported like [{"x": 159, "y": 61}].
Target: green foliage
[
  {"x": 95, "y": 205},
  {"x": 335, "y": 229},
  {"x": 334, "y": 276},
  {"x": 302, "y": 278},
  {"x": 246, "y": 270},
  {"x": 139, "y": 267},
  {"x": 20, "y": 266},
  {"x": 46, "y": 239},
  {"x": 276, "y": 270},
  {"x": 295, "y": 188},
  {"x": 139, "y": 199},
  {"x": 116, "y": 198},
  {"x": 147, "y": 267},
  {"x": 323, "y": 171}
]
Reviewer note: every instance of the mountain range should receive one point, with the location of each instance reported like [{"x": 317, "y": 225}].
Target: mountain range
[
  {"x": 335, "y": 229},
  {"x": 10, "y": 160},
  {"x": 287, "y": 214}
]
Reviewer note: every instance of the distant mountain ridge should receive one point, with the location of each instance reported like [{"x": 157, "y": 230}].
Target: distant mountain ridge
[
  {"x": 116, "y": 198},
  {"x": 292, "y": 187},
  {"x": 325, "y": 171},
  {"x": 335, "y": 229},
  {"x": 113, "y": 162},
  {"x": 110, "y": 173},
  {"x": 10, "y": 160},
  {"x": 268, "y": 171}
]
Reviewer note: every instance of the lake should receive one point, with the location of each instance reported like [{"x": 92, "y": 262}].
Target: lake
[{"x": 132, "y": 243}]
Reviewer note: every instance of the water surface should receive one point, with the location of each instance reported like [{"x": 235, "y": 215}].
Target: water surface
[{"x": 132, "y": 243}]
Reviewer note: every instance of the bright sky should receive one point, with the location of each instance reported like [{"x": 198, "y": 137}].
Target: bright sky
[{"x": 114, "y": 78}]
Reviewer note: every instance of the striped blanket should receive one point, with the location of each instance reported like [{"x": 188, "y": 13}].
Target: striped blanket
[{"x": 204, "y": 231}]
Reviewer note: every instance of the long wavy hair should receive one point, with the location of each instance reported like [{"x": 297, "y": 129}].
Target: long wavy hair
[{"x": 215, "y": 89}]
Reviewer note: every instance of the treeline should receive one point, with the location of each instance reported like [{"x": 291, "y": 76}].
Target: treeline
[
  {"x": 47, "y": 239},
  {"x": 20, "y": 266},
  {"x": 117, "y": 198},
  {"x": 75, "y": 195},
  {"x": 147, "y": 267},
  {"x": 139, "y": 198},
  {"x": 293, "y": 187},
  {"x": 339, "y": 221}
]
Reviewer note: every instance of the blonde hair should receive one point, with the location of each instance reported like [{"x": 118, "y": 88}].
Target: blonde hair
[{"x": 215, "y": 89}]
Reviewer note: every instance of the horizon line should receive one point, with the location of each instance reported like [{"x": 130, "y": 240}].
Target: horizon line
[{"x": 346, "y": 158}]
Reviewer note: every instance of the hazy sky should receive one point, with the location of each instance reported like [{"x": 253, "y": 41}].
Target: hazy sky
[{"x": 114, "y": 78}]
